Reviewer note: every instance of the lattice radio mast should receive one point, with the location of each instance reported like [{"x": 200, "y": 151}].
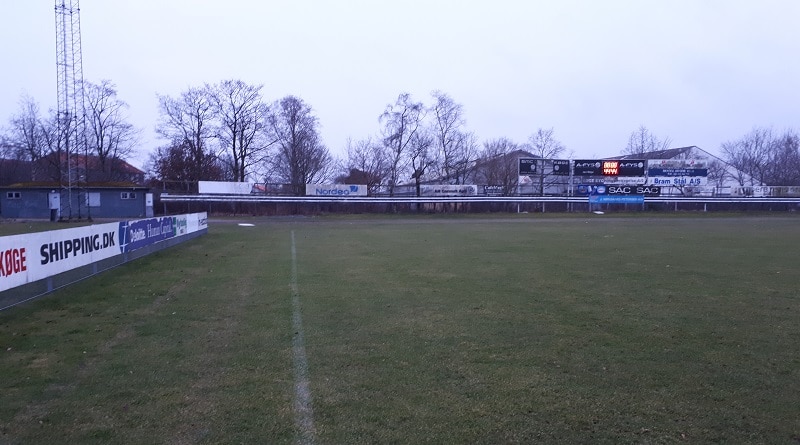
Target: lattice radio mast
[{"x": 71, "y": 119}]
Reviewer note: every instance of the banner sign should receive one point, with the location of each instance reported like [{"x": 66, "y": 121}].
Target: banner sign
[
  {"x": 335, "y": 190},
  {"x": 618, "y": 199},
  {"x": 222, "y": 187},
  {"x": 677, "y": 172},
  {"x": 677, "y": 181},
  {"x": 625, "y": 180},
  {"x": 766, "y": 190},
  {"x": 561, "y": 167},
  {"x": 677, "y": 163},
  {"x": 494, "y": 190},
  {"x": 527, "y": 166},
  {"x": 590, "y": 189},
  {"x": 643, "y": 190},
  {"x": 137, "y": 234},
  {"x": 35, "y": 256},
  {"x": 448, "y": 190},
  {"x": 588, "y": 167}
]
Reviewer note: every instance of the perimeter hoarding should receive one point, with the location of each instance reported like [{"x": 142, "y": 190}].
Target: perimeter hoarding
[
  {"x": 620, "y": 199},
  {"x": 445, "y": 190},
  {"x": 34, "y": 256},
  {"x": 224, "y": 188},
  {"x": 336, "y": 190}
]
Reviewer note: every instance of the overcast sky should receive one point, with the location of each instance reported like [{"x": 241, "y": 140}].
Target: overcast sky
[{"x": 697, "y": 72}]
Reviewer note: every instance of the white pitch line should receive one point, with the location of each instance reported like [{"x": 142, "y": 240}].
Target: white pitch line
[{"x": 303, "y": 411}]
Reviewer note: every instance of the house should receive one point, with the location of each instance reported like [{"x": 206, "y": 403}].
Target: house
[{"x": 39, "y": 200}]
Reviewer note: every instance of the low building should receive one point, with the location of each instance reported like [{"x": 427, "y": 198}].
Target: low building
[{"x": 39, "y": 200}]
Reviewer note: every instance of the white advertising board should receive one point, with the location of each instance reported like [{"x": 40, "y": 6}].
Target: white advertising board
[
  {"x": 677, "y": 163},
  {"x": 677, "y": 181},
  {"x": 336, "y": 190},
  {"x": 224, "y": 188},
  {"x": 448, "y": 190},
  {"x": 34, "y": 256}
]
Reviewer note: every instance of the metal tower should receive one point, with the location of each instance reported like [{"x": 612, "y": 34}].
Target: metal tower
[{"x": 71, "y": 108}]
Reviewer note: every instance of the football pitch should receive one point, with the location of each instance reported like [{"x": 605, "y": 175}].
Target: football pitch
[{"x": 345, "y": 330}]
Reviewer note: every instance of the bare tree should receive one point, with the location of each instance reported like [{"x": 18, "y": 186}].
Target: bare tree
[
  {"x": 749, "y": 155},
  {"x": 186, "y": 121},
  {"x": 366, "y": 164},
  {"x": 34, "y": 138},
  {"x": 110, "y": 137},
  {"x": 457, "y": 148},
  {"x": 498, "y": 165},
  {"x": 300, "y": 157},
  {"x": 546, "y": 147},
  {"x": 643, "y": 141},
  {"x": 400, "y": 121},
  {"x": 25, "y": 137},
  {"x": 176, "y": 163},
  {"x": 240, "y": 114},
  {"x": 783, "y": 165},
  {"x": 421, "y": 157}
]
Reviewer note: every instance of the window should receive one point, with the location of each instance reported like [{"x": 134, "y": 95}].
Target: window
[
  {"x": 13, "y": 195},
  {"x": 93, "y": 199},
  {"x": 128, "y": 195}
]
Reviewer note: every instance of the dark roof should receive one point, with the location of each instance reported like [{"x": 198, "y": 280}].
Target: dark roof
[
  {"x": 93, "y": 162},
  {"x": 91, "y": 185},
  {"x": 659, "y": 154}
]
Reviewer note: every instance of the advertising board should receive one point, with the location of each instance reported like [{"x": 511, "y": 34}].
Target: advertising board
[
  {"x": 527, "y": 166},
  {"x": 643, "y": 190},
  {"x": 35, "y": 256},
  {"x": 618, "y": 199},
  {"x": 561, "y": 167},
  {"x": 759, "y": 191},
  {"x": 588, "y": 167},
  {"x": 445, "y": 190},
  {"x": 224, "y": 187},
  {"x": 336, "y": 190},
  {"x": 677, "y": 181}
]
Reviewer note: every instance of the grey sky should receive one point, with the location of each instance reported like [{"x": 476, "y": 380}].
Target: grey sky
[{"x": 698, "y": 72}]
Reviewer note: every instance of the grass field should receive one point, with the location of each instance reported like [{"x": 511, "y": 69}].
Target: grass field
[{"x": 593, "y": 329}]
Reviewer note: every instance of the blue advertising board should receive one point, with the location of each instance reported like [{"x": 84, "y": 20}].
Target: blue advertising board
[
  {"x": 140, "y": 233},
  {"x": 616, "y": 199}
]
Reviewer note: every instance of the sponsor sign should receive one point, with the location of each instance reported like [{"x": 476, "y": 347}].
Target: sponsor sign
[
  {"x": 527, "y": 166},
  {"x": 494, "y": 190},
  {"x": 616, "y": 199},
  {"x": 590, "y": 189},
  {"x": 625, "y": 180},
  {"x": 448, "y": 190},
  {"x": 677, "y": 163},
  {"x": 224, "y": 188},
  {"x": 137, "y": 234},
  {"x": 630, "y": 167},
  {"x": 766, "y": 190},
  {"x": 677, "y": 181},
  {"x": 35, "y": 256},
  {"x": 588, "y": 167},
  {"x": 644, "y": 190},
  {"x": 561, "y": 167},
  {"x": 677, "y": 172},
  {"x": 335, "y": 190}
]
